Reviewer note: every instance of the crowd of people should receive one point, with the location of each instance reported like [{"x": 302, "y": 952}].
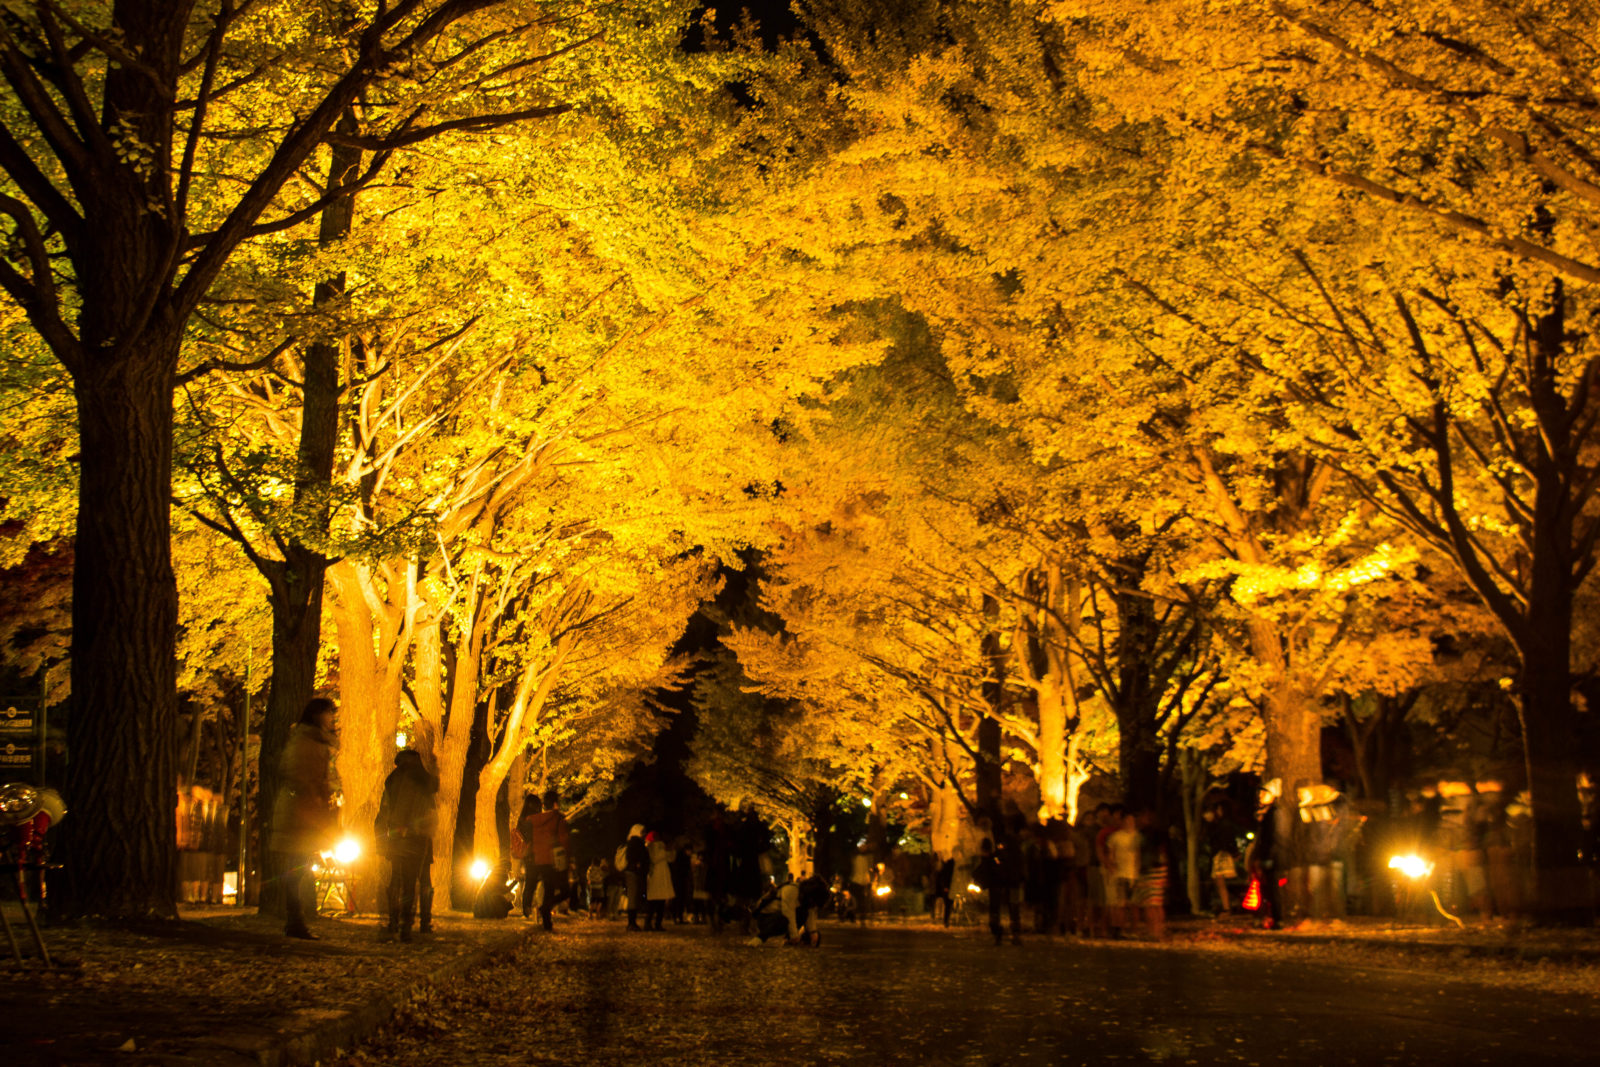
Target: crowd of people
[
  {"x": 1106, "y": 875},
  {"x": 728, "y": 872}
]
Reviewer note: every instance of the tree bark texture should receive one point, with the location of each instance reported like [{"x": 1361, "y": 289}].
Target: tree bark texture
[{"x": 120, "y": 846}]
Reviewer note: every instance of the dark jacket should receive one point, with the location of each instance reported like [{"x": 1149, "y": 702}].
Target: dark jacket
[
  {"x": 638, "y": 857},
  {"x": 408, "y": 814}
]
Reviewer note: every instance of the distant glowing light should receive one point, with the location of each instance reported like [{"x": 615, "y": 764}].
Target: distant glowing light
[
  {"x": 480, "y": 870},
  {"x": 400, "y": 739},
  {"x": 883, "y": 890},
  {"x": 1412, "y": 866},
  {"x": 974, "y": 887},
  {"x": 866, "y": 802}
]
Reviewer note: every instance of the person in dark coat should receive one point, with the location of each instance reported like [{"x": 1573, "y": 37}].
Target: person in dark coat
[
  {"x": 635, "y": 869},
  {"x": 719, "y": 866},
  {"x": 407, "y": 818},
  {"x": 682, "y": 882},
  {"x": 305, "y": 815},
  {"x": 943, "y": 879},
  {"x": 544, "y": 828},
  {"x": 996, "y": 873}
]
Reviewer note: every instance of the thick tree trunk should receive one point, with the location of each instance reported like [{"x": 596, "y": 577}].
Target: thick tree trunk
[
  {"x": 1563, "y": 890},
  {"x": 120, "y": 846},
  {"x": 1137, "y": 703},
  {"x": 1052, "y": 773},
  {"x": 449, "y": 729},
  {"x": 1294, "y": 757},
  {"x": 372, "y": 653},
  {"x": 486, "y": 833},
  {"x": 464, "y": 843}
]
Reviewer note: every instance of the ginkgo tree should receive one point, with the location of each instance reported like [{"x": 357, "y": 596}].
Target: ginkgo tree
[
  {"x": 1422, "y": 194},
  {"x": 128, "y": 196}
]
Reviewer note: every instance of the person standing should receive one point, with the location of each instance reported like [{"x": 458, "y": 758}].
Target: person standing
[
  {"x": 659, "y": 888},
  {"x": 861, "y": 884},
  {"x": 1122, "y": 848},
  {"x": 407, "y": 818},
  {"x": 995, "y": 874},
  {"x": 1222, "y": 837},
  {"x": 544, "y": 828},
  {"x": 698, "y": 886},
  {"x": 1150, "y": 891},
  {"x": 719, "y": 870},
  {"x": 597, "y": 888},
  {"x": 682, "y": 881},
  {"x": 305, "y": 815},
  {"x": 636, "y": 869},
  {"x": 943, "y": 878}
]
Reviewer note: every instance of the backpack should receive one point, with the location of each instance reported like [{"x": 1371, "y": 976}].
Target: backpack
[{"x": 619, "y": 862}]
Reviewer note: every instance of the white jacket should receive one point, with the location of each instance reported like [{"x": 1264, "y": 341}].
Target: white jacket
[{"x": 659, "y": 886}]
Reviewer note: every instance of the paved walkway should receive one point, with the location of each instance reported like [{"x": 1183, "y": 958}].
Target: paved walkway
[{"x": 592, "y": 994}]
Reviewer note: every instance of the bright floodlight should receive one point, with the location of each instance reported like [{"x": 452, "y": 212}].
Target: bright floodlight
[
  {"x": 480, "y": 870},
  {"x": 1412, "y": 866},
  {"x": 347, "y": 851},
  {"x": 974, "y": 887},
  {"x": 883, "y": 890}
]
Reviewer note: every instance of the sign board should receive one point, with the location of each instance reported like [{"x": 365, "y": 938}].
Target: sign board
[
  {"x": 17, "y": 722},
  {"x": 19, "y": 742},
  {"x": 16, "y": 759}
]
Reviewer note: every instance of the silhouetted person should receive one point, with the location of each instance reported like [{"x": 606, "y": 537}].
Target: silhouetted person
[
  {"x": 407, "y": 818},
  {"x": 305, "y": 819}
]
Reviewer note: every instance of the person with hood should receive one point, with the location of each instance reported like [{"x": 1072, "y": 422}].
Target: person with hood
[
  {"x": 305, "y": 814},
  {"x": 407, "y": 818},
  {"x": 635, "y": 868},
  {"x": 544, "y": 828},
  {"x": 659, "y": 890}
]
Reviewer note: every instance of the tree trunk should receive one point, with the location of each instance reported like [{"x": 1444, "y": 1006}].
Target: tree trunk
[
  {"x": 295, "y": 586},
  {"x": 1137, "y": 703},
  {"x": 464, "y": 843},
  {"x": 120, "y": 846},
  {"x": 374, "y": 635},
  {"x": 1192, "y": 778},
  {"x": 449, "y": 728},
  {"x": 297, "y": 581},
  {"x": 989, "y": 733},
  {"x": 486, "y": 835},
  {"x": 1052, "y": 749},
  {"x": 1294, "y": 757},
  {"x": 1562, "y": 888}
]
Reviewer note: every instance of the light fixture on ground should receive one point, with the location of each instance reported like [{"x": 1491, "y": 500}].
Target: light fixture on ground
[{"x": 1419, "y": 870}]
